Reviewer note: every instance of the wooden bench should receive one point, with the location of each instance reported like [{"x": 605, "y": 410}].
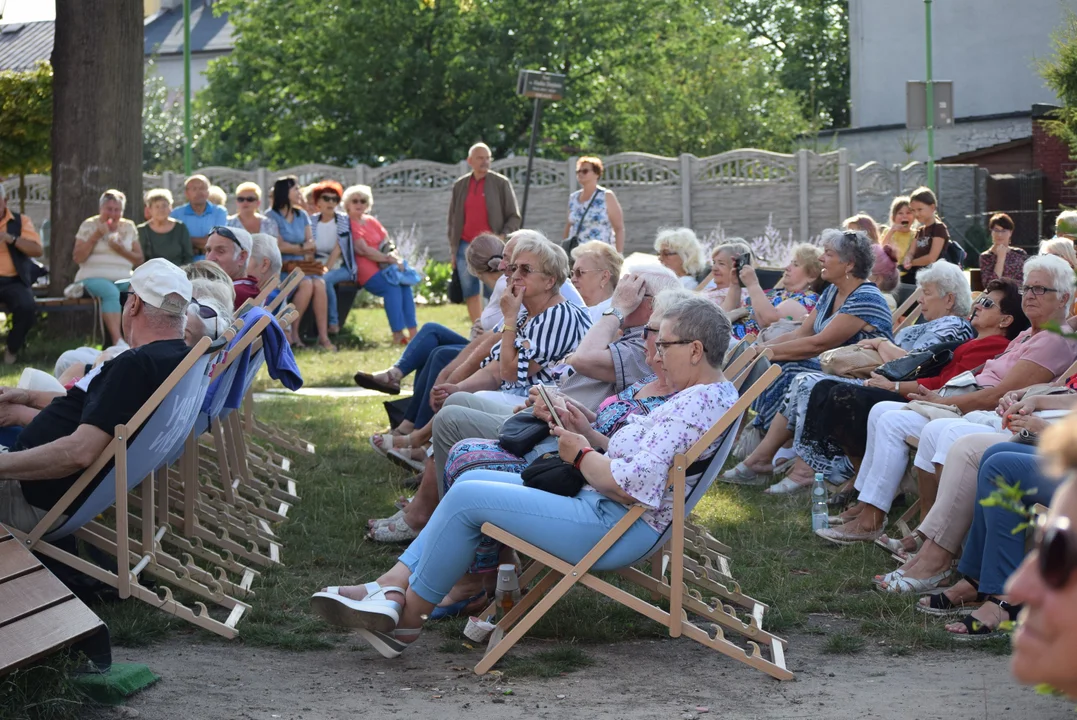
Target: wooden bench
[
  {"x": 38, "y": 614},
  {"x": 89, "y": 303}
]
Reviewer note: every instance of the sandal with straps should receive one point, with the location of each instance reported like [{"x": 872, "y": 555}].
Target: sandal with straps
[
  {"x": 385, "y": 443},
  {"x": 373, "y": 612},
  {"x": 940, "y": 605},
  {"x": 390, "y": 645},
  {"x": 979, "y": 630}
]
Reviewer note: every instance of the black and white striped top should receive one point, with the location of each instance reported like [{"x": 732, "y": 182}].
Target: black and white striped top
[{"x": 545, "y": 339}]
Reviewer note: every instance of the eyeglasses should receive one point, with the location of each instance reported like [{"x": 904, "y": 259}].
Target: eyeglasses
[
  {"x": 226, "y": 232},
  {"x": 330, "y": 198},
  {"x": 662, "y": 345},
  {"x": 583, "y": 171},
  {"x": 577, "y": 273},
  {"x": 985, "y": 302},
  {"x": 998, "y": 229},
  {"x": 246, "y": 198},
  {"x": 524, "y": 269},
  {"x": 647, "y": 330},
  {"x": 1036, "y": 290},
  {"x": 1056, "y": 548}
]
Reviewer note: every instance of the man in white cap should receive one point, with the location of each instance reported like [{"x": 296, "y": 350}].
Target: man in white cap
[
  {"x": 230, "y": 247},
  {"x": 71, "y": 430}
]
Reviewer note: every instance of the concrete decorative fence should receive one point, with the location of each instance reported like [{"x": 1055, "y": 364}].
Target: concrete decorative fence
[{"x": 742, "y": 191}]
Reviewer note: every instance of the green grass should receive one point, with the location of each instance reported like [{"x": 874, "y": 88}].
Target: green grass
[
  {"x": 776, "y": 558},
  {"x": 41, "y": 692}
]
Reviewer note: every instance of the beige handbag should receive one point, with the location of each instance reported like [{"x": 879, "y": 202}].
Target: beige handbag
[
  {"x": 851, "y": 361},
  {"x": 933, "y": 411},
  {"x": 781, "y": 326}
]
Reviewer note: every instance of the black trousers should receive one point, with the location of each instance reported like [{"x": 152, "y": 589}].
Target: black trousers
[{"x": 22, "y": 307}]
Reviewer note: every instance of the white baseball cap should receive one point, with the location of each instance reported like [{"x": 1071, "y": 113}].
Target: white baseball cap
[
  {"x": 155, "y": 280},
  {"x": 239, "y": 236}
]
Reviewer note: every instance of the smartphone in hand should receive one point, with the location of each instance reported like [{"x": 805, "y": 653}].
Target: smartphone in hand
[{"x": 549, "y": 404}]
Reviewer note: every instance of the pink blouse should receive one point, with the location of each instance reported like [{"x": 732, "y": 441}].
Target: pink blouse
[
  {"x": 643, "y": 450},
  {"x": 1047, "y": 349}
]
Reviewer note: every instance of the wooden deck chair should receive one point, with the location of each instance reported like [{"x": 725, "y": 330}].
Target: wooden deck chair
[
  {"x": 39, "y": 615},
  {"x": 287, "y": 287},
  {"x": 911, "y": 318},
  {"x": 139, "y": 448},
  {"x": 217, "y": 511},
  {"x": 704, "y": 282},
  {"x": 1069, "y": 372},
  {"x": 913, "y": 299},
  {"x": 562, "y": 576}
]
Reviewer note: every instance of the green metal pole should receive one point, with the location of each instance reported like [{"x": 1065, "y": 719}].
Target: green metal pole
[
  {"x": 187, "y": 86},
  {"x": 930, "y": 102}
]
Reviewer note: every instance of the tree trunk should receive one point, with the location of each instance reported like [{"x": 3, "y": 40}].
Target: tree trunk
[{"x": 97, "y": 61}]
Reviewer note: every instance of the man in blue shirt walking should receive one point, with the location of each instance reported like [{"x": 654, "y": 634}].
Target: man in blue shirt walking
[{"x": 199, "y": 215}]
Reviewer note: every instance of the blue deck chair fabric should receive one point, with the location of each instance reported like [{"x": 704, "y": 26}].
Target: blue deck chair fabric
[{"x": 151, "y": 447}]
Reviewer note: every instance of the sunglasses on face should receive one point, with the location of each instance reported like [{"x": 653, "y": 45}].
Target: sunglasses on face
[
  {"x": 1056, "y": 548},
  {"x": 583, "y": 171},
  {"x": 205, "y": 312},
  {"x": 1037, "y": 290},
  {"x": 986, "y": 303},
  {"x": 578, "y": 273},
  {"x": 246, "y": 199},
  {"x": 358, "y": 201},
  {"x": 524, "y": 269},
  {"x": 226, "y": 232},
  {"x": 330, "y": 198}
]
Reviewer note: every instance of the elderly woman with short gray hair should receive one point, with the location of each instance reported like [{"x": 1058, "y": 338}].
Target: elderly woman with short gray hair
[
  {"x": 546, "y": 326},
  {"x": 690, "y": 346},
  {"x": 851, "y": 309},
  {"x": 725, "y": 289},
  {"x": 103, "y": 264},
  {"x": 947, "y": 302},
  {"x": 679, "y": 250}
]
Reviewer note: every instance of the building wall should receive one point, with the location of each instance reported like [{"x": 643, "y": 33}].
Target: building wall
[
  {"x": 170, "y": 67},
  {"x": 988, "y": 48},
  {"x": 887, "y": 146}
]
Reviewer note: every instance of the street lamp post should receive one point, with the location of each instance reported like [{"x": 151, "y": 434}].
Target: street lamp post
[
  {"x": 930, "y": 101},
  {"x": 187, "y": 87}
]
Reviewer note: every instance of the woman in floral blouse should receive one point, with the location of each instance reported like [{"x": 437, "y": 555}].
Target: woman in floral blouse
[
  {"x": 1001, "y": 260},
  {"x": 691, "y": 344}
]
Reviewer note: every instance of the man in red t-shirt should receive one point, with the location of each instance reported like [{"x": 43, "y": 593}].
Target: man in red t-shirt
[
  {"x": 482, "y": 201},
  {"x": 230, "y": 248}
]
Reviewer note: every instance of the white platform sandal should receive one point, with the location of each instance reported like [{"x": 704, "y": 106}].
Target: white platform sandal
[
  {"x": 373, "y": 612},
  {"x": 389, "y": 645}
]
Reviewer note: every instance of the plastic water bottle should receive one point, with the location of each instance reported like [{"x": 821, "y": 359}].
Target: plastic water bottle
[
  {"x": 507, "y": 593},
  {"x": 819, "y": 512}
]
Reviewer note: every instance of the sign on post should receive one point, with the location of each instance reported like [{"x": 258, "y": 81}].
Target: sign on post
[
  {"x": 540, "y": 85},
  {"x": 916, "y": 104}
]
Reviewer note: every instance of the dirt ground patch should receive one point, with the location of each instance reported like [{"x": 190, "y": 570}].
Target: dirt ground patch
[{"x": 635, "y": 680}]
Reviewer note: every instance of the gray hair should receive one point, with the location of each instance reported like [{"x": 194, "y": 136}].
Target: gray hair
[
  {"x": 851, "y": 246},
  {"x": 552, "y": 258},
  {"x": 605, "y": 256},
  {"x": 1061, "y": 247},
  {"x": 224, "y": 315},
  {"x": 478, "y": 145},
  {"x": 164, "y": 320},
  {"x": 733, "y": 248},
  {"x": 158, "y": 194},
  {"x": 666, "y": 299},
  {"x": 203, "y": 289},
  {"x": 694, "y": 317},
  {"x": 112, "y": 194},
  {"x": 1061, "y": 273},
  {"x": 264, "y": 246},
  {"x": 1066, "y": 217},
  {"x": 948, "y": 279},
  {"x": 684, "y": 242},
  {"x": 657, "y": 278}
]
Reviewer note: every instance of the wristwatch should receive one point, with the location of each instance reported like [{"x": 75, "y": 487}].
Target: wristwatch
[{"x": 617, "y": 314}]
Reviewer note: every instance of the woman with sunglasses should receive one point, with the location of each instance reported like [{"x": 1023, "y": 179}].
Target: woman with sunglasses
[
  {"x": 596, "y": 268},
  {"x": 333, "y": 244},
  {"x": 1045, "y": 584},
  {"x": 248, "y": 201},
  {"x": 368, "y": 237},
  {"x": 594, "y": 213}
]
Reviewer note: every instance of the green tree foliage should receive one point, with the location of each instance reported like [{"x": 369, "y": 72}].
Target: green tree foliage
[
  {"x": 162, "y": 125},
  {"x": 1060, "y": 73},
  {"x": 26, "y": 120},
  {"x": 369, "y": 82},
  {"x": 808, "y": 42}
]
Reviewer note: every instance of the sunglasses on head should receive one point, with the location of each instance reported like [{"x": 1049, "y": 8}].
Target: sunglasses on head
[
  {"x": 246, "y": 198},
  {"x": 226, "y": 232},
  {"x": 1056, "y": 547}
]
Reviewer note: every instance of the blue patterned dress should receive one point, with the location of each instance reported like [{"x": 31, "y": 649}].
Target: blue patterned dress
[
  {"x": 596, "y": 225},
  {"x": 865, "y": 303},
  {"x": 477, "y": 453}
]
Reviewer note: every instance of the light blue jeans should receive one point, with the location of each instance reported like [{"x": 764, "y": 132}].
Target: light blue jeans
[
  {"x": 399, "y": 301},
  {"x": 107, "y": 291},
  {"x": 331, "y": 278},
  {"x": 567, "y": 527}
]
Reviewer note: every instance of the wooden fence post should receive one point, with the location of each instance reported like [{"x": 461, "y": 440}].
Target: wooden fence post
[
  {"x": 803, "y": 159},
  {"x": 686, "y": 190},
  {"x": 570, "y": 173}
]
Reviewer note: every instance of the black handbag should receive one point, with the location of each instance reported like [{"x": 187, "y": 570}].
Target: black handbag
[
  {"x": 520, "y": 433},
  {"x": 553, "y": 475},
  {"x": 456, "y": 290},
  {"x": 573, "y": 242},
  {"x": 922, "y": 364}
]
